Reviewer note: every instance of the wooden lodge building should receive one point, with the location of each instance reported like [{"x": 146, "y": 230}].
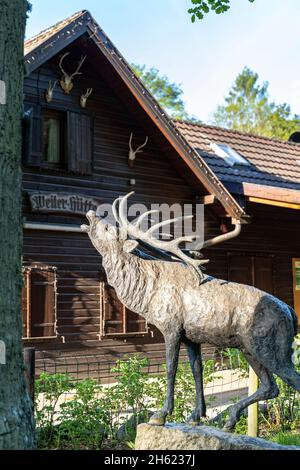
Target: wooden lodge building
[{"x": 75, "y": 156}]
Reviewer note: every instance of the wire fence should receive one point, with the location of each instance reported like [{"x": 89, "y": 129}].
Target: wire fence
[{"x": 226, "y": 373}]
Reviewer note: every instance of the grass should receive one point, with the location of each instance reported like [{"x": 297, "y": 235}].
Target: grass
[{"x": 287, "y": 438}]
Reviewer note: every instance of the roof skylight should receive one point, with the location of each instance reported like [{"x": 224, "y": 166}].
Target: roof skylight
[{"x": 229, "y": 154}]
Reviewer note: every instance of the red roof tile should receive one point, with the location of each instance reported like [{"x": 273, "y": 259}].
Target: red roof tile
[{"x": 272, "y": 162}]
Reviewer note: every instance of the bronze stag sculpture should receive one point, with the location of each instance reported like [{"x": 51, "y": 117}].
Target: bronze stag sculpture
[{"x": 192, "y": 308}]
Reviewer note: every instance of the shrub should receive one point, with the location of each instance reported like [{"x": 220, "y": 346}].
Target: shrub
[{"x": 96, "y": 412}]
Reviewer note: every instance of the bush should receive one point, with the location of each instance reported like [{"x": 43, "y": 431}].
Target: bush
[
  {"x": 78, "y": 423},
  {"x": 283, "y": 412},
  {"x": 97, "y": 413}
]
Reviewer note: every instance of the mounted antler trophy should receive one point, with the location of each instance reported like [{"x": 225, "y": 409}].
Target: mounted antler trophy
[
  {"x": 49, "y": 91},
  {"x": 133, "y": 153},
  {"x": 192, "y": 308},
  {"x": 85, "y": 96},
  {"x": 66, "y": 81}
]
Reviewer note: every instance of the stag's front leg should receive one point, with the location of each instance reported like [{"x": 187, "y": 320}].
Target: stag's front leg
[
  {"x": 194, "y": 353},
  {"x": 172, "y": 352}
]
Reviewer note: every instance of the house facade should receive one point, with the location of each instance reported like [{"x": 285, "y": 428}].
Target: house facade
[{"x": 82, "y": 107}]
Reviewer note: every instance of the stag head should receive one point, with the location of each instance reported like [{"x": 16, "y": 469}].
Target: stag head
[
  {"x": 66, "y": 81},
  {"x": 133, "y": 153},
  {"x": 49, "y": 91},
  {"x": 85, "y": 96}
]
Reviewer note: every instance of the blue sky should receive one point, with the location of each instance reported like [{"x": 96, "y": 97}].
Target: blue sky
[{"x": 204, "y": 57}]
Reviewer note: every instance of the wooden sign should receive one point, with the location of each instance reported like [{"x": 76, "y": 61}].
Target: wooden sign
[
  {"x": 296, "y": 285},
  {"x": 62, "y": 203}
]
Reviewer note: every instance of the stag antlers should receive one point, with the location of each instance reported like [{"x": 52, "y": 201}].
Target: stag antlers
[
  {"x": 66, "y": 81},
  {"x": 133, "y": 229},
  {"x": 49, "y": 91},
  {"x": 85, "y": 96},
  {"x": 133, "y": 153}
]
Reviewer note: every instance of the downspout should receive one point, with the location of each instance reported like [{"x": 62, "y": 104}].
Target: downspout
[
  {"x": 225, "y": 236},
  {"x": 52, "y": 227}
]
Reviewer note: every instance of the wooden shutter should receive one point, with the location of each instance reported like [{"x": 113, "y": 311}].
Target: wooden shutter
[
  {"x": 32, "y": 135},
  {"x": 39, "y": 303},
  {"x": 263, "y": 273},
  {"x": 252, "y": 270},
  {"x": 80, "y": 143},
  {"x": 116, "y": 319},
  {"x": 240, "y": 269},
  {"x": 112, "y": 314},
  {"x": 135, "y": 323}
]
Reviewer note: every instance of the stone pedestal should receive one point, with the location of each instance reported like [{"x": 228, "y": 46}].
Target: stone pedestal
[{"x": 184, "y": 437}]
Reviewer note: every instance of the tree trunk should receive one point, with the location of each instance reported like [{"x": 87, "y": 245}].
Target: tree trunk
[{"x": 16, "y": 420}]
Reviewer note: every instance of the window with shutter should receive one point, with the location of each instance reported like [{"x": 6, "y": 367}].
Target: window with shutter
[
  {"x": 80, "y": 143},
  {"x": 116, "y": 319},
  {"x": 39, "y": 303},
  {"x": 56, "y": 139}
]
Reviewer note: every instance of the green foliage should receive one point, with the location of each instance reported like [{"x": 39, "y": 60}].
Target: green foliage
[
  {"x": 51, "y": 387},
  {"x": 283, "y": 412},
  {"x": 281, "y": 416},
  {"x": 83, "y": 420},
  {"x": 168, "y": 94},
  {"x": 287, "y": 439},
  {"x": 203, "y": 7},
  {"x": 93, "y": 413},
  {"x": 236, "y": 361},
  {"x": 131, "y": 384},
  {"x": 247, "y": 108}
]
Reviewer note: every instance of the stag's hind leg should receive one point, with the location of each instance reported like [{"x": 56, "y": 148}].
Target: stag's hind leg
[
  {"x": 194, "y": 353},
  {"x": 172, "y": 353},
  {"x": 267, "y": 390},
  {"x": 289, "y": 375}
]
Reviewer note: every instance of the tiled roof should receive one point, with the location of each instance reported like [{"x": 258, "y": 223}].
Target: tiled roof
[
  {"x": 272, "y": 162},
  {"x": 38, "y": 39}
]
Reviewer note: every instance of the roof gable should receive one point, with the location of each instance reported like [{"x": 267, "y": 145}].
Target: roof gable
[{"x": 50, "y": 42}]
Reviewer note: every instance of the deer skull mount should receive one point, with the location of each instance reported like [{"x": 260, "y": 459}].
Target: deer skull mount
[
  {"x": 49, "y": 91},
  {"x": 66, "y": 81},
  {"x": 85, "y": 96},
  {"x": 133, "y": 153}
]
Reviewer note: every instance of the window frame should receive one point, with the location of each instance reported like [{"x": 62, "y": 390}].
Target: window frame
[
  {"x": 229, "y": 154},
  {"x": 33, "y": 138},
  {"x": 125, "y": 312},
  {"x": 27, "y": 270},
  {"x": 63, "y": 121}
]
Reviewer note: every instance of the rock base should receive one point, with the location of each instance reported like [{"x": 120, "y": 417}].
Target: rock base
[{"x": 184, "y": 437}]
